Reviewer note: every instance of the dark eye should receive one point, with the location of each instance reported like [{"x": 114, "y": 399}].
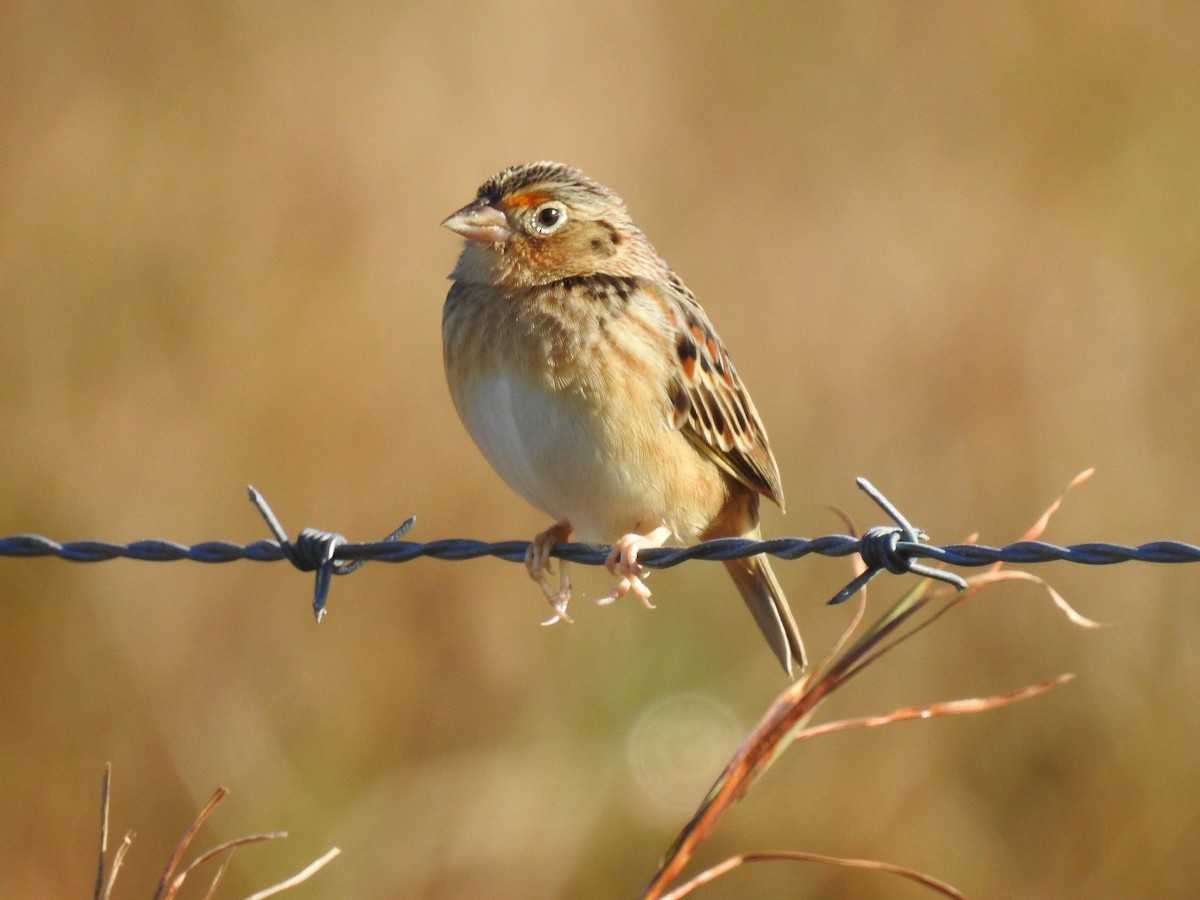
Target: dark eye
[{"x": 548, "y": 217}]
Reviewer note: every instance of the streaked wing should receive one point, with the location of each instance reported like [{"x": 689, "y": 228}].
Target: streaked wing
[{"x": 710, "y": 403}]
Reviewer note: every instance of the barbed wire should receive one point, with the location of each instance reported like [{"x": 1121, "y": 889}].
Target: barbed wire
[{"x": 894, "y": 548}]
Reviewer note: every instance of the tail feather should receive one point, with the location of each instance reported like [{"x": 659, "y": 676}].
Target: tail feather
[{"x": 764, "y": 596}]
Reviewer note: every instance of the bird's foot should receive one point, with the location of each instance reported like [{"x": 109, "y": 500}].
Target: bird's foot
[
  {"x": 537, "y": 564},
  {"x": 623, "y": 563}
]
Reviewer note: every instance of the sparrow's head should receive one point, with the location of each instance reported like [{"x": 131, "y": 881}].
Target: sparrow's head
[{"x": 543, "y": 221}]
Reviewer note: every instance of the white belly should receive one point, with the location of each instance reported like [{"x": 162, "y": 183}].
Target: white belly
[
  {"x": 555, "y": 452},
  {"x": 516, "y": 427}
]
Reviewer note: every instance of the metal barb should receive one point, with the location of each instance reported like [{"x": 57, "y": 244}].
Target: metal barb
[
  {"x": 891, "y": 548},
  {"x": 315, "y": 549}
]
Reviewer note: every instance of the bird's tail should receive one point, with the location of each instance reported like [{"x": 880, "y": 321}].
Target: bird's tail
[{"x": 764, "y": 596}]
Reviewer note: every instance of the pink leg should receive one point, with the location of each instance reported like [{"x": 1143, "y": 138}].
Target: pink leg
[
  {"x": 537, "y": 564},
  {"x": 623, "y": 562}
]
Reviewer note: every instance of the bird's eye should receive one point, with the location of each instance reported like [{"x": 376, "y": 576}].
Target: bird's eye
[{"x": 548, "y": 218}]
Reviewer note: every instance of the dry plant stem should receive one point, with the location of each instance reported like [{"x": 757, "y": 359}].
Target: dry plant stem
[
  {"x": 103, "y": 890},
  {"x": 204, "y": 857},
  {"x": 948, "y": 707},
  {"x": 769, "y": 741},
  {"x": 165, "y": 889},
  {"x": 118, "y": 861},
  {"x": 790, "y": 708},
  {"x": 769, "y": 738},
  {"x": 212, "y": 888},
  {"x": 169, "y": 883},
  {"x": 917, "y": 598},
  {"x": 796, "y": 705},
  {"x": 301, "y": 876},
  {"x": 767, "y": 856},
  {"x": 1037, "y": 528},
  {"x": 104, "y": 785}
]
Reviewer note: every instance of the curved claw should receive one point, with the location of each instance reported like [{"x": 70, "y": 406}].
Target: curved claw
[
  {"x": 622, "y": 561},
  {"x": 537, "y": 564}
]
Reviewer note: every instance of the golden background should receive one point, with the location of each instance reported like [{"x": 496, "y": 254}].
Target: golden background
[{"x": 953, "y": 248}]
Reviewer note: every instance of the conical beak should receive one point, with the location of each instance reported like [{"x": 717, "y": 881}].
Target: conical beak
[{"x": 480, "y": 222}]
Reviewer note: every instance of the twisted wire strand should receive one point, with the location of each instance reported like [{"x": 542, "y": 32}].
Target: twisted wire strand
[
  {"x": 456, "y": 549},
  {"x": 893, "y": 548}
]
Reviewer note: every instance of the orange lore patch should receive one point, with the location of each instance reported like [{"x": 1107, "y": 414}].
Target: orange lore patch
[{"x": 527, "y": 199}]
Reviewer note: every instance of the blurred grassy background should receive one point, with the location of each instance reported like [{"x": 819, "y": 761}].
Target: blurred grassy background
[{"x": 955, "y": 249}]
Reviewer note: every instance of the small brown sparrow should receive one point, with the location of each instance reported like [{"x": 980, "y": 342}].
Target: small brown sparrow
[{"x": 598, "y": 389}]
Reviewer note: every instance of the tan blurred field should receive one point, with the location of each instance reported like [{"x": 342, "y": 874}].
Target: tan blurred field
[{"x": 954, "y": 248}]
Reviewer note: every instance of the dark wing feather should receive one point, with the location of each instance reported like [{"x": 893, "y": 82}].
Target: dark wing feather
[{"x": 709, "y": 402}]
